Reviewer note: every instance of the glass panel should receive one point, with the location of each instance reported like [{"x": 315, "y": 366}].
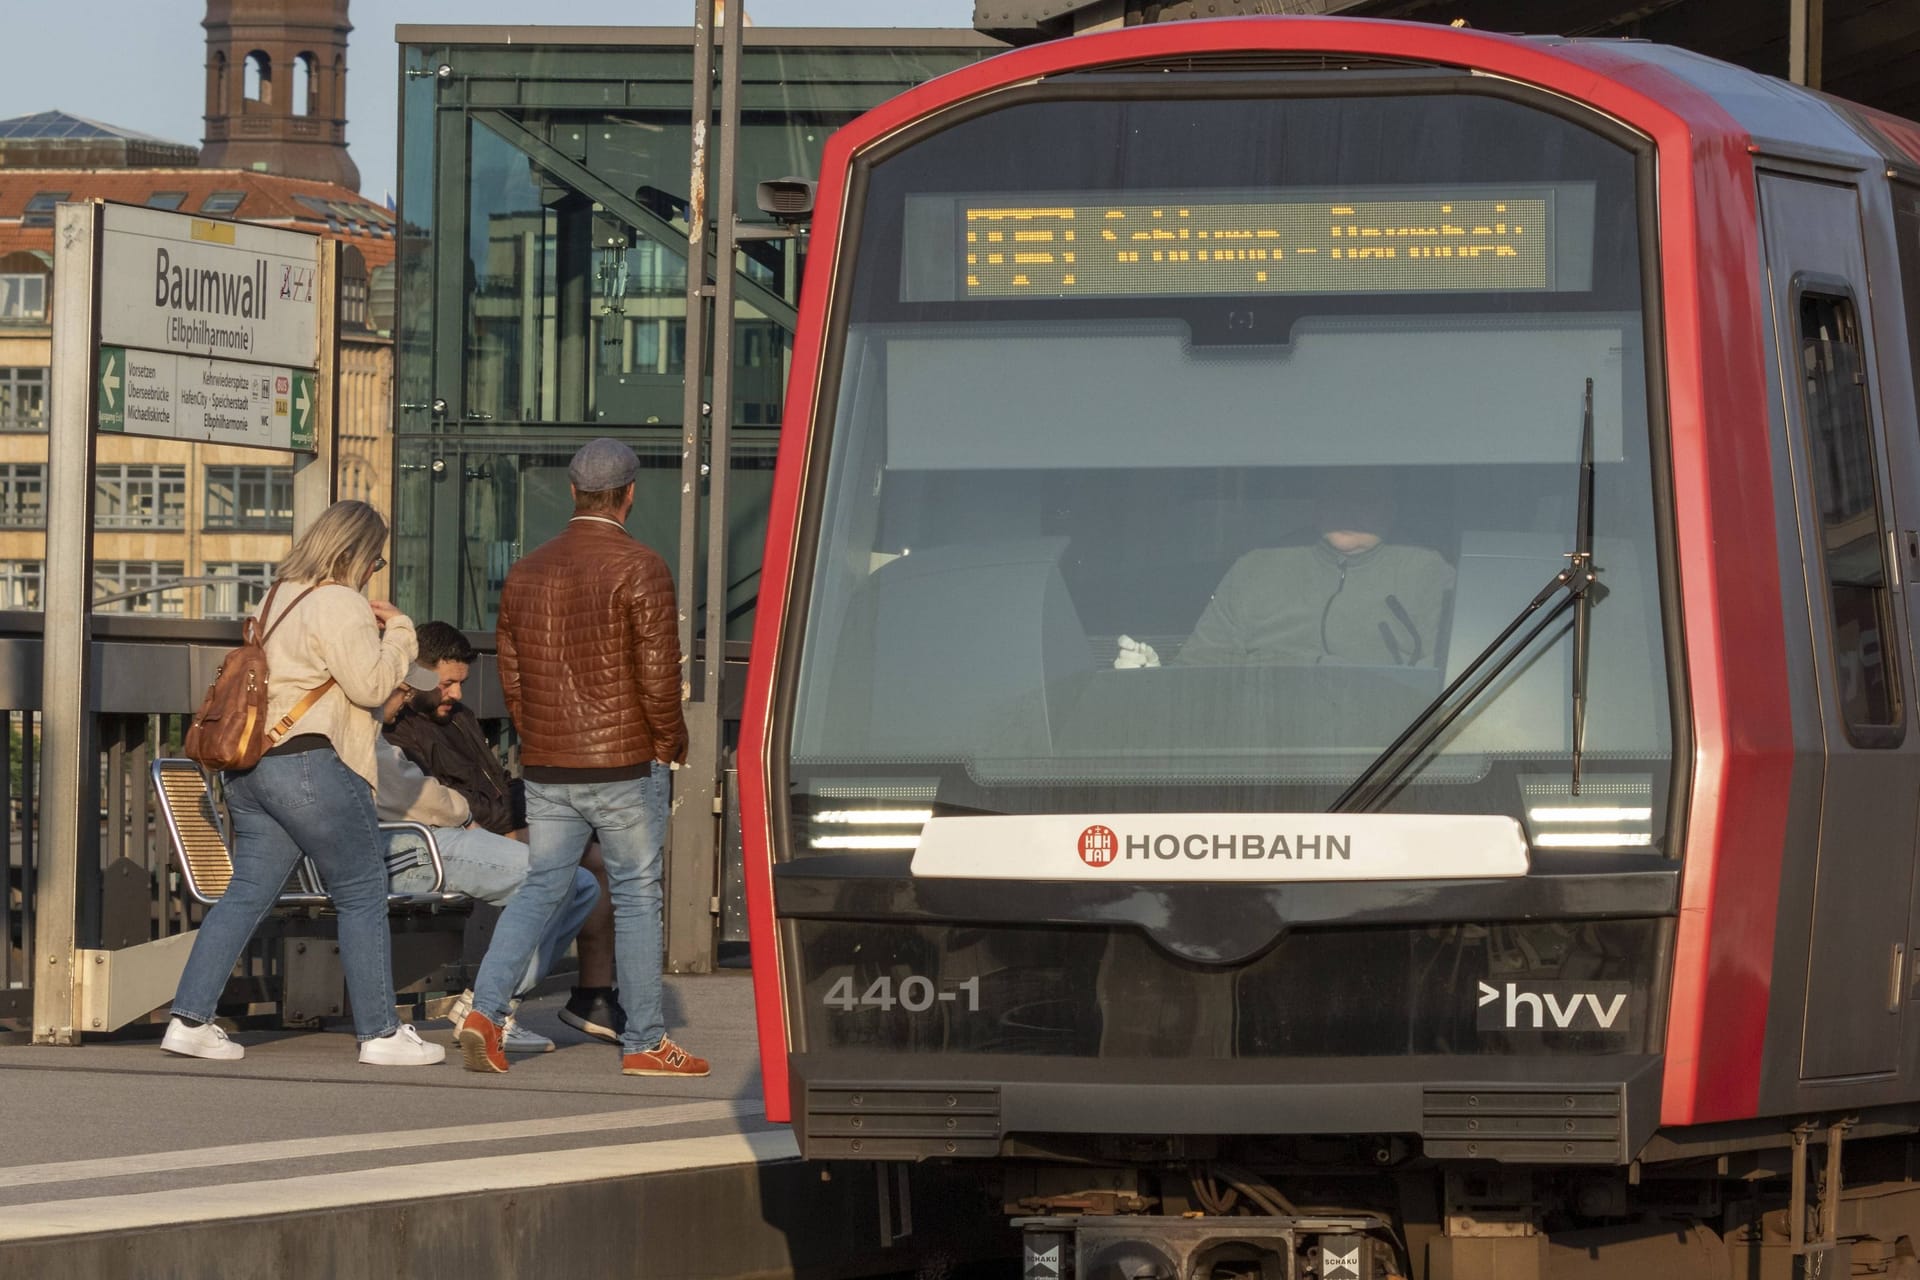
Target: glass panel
[
  {"x": 566, "y": 306},
  {"x": 23, "y": 495},
  {"x": 139, "y": 496},
  {"x": 20, "y": 584},
  {"x": 511, "y": 308},
  {"x": 222, "y": 202},
  {"x": 1122, "y": 513},
  {"x": 256, "y": 498},
  {"x": 23, "y": 297},
  {"x": 23, "y": 399},
  {"x": 166, "y": 199},
  {"x": 238, "y": 598},
  {"x": 134, "y": 583},
  {"x": 1852, "y": 537}
]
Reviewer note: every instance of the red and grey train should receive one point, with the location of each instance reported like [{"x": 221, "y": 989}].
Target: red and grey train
[{"x": 1531, "y": 872}]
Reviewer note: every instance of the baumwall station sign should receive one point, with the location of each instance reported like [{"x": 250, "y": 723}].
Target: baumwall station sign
[{"x": 209, "y": 330}]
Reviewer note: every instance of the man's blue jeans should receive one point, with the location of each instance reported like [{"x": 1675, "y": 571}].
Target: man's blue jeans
[
  {"x": 281, "y": 808},
  {"x": 630, "y": 819},
  {"x": 488, "y": 868}
]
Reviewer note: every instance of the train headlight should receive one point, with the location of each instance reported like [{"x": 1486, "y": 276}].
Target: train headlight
[
  {"x": 884, "y": 816},
  {"x": 875, "y": 829},
  {"x": 1610, "y": 813}
]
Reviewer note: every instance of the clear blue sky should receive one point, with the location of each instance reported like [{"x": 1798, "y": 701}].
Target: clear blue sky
[{"x": 141, "y": 64}]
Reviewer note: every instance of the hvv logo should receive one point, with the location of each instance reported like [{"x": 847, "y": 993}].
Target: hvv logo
[{"x": 1553, "y": 1006}]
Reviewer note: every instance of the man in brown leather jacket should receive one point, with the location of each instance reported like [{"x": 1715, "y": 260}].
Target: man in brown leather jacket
[{"x": 589, "y": 656}]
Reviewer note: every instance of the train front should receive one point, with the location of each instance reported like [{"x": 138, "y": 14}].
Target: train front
[{"x": 1226, "y": 695}]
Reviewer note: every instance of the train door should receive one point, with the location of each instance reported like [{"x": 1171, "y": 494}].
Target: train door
[{"x": 1823, "y": 333}]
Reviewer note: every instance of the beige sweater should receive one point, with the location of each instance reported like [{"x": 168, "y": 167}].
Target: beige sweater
[{"x": 333, "y": 633}]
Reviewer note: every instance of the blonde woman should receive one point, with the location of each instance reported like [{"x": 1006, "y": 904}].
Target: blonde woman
[{"x": 312, "y": 793}]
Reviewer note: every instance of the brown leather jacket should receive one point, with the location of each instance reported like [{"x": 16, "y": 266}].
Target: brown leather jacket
[{"x": 590, "y": 652}]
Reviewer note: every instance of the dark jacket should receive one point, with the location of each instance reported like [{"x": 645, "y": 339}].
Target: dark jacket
[
  {"x": 456, "y": 753},
  {"x": 589, "y": 651}
]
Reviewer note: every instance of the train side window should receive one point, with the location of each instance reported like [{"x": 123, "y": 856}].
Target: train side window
[{"x": 1852, "y": 536}]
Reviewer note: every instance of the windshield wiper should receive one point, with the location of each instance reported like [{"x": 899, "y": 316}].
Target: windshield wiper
[
  {"x": 1590, "y": 590},
  {"x": 1571, "y": 586}
]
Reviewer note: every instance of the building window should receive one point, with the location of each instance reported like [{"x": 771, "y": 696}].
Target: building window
[
  {"x": 23, "y": 297},
  {"x": 134, "y": 583},
  {"x": 166, "y": 199},
  {"x": 256, "y": 498},
  {"x": 39, "y": 212},
  {"x": 19, "y": 584},
  {"x": 222, "y": 202},
  {"x": 139, "y": 496},
  {"x": 23, "y": 399},
  {"x": 23, "y": 495},
  {"x": 240, "y": 596}
]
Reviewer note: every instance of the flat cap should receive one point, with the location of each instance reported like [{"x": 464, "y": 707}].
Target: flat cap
[{"x": 602, "y": 464}]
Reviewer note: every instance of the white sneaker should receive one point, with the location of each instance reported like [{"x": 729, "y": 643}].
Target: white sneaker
[
  {"x": 403, "y": 1048},
  {"x": 515, "y": 1038},
  {"x": 205, "y": 1041}
]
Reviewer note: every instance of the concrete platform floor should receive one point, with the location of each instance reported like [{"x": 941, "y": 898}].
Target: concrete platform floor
[{"x": 116, "y": 1134}]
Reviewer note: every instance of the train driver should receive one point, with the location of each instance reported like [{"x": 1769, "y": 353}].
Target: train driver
[{"x": 1351, "y": 597}]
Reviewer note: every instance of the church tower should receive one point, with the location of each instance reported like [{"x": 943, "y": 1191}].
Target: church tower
[{"x": 277, "y": 88}]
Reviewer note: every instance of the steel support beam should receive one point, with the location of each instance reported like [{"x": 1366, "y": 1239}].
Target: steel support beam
[
  {"x": 66, "y": 676},
  {"x": 689, "y": 925},
  {"x": 1805, "y": 38}
]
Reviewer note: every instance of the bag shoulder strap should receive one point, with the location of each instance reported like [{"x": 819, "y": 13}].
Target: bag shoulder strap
[
  {"x": 298, "y": 709},
  {"x": 267, "y": 605}
]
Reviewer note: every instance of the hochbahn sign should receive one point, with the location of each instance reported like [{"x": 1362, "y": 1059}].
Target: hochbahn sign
[{"x": 209, "y": 330}]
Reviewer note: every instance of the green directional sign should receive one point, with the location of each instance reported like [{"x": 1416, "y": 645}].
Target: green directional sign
[
  {"x": 113, "y": 389},
  {"x": 304, "y": 410}
]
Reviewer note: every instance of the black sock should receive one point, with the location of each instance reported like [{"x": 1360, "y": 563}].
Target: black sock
[{"x": 190, "y": 1020}]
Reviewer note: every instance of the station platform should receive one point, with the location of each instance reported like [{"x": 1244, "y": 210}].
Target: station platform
[{"x": 120, "y": 1160}]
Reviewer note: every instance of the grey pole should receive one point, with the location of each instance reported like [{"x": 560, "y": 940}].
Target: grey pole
[
  {"x": 65, "y": 690},
  {"x": 688, "y": 908},
  {"x": 1807, "y": 21}
]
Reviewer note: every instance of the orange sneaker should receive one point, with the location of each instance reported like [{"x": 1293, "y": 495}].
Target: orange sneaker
[
  {"x": 667, "y": 1060},
  {"x": 480, "y": 1043}
]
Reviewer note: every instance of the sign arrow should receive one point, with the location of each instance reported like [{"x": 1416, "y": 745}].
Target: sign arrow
[
  {"x": 110, "y": 382},
  {"x": 1488, "y": 994},
  {"x": 301, "y": 405}
]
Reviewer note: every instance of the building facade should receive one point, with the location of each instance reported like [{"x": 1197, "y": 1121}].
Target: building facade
[{"x": 212, "y": 520}]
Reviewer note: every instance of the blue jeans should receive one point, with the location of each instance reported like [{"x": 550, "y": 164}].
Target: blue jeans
[
  {"x": 283, "y": 807},
  {"x": 488, "y": 868},
  {"x": 630, "y": 819}
]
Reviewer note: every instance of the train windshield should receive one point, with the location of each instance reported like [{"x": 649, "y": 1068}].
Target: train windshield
[{"x": 1180, "y": 451}]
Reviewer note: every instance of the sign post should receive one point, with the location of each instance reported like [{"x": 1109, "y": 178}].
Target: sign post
[{"x": 170, "y": 326}]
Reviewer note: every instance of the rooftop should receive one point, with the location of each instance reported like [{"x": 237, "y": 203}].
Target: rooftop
[{"x": 58, "y": 125}]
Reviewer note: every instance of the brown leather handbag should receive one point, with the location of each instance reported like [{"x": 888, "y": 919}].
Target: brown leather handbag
[{"x": 230, "y": 729}]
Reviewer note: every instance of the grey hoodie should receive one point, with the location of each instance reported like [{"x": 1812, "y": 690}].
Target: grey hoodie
[{"x": 1304, "y": 605}]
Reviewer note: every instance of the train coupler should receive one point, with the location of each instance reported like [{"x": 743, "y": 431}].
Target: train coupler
[{"x": 1196, "y": 1248}]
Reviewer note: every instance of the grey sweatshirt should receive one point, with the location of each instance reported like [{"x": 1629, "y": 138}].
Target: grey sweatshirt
[{"x": 1303, "y": 605}]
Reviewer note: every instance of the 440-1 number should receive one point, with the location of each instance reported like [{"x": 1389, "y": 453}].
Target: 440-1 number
[{"x": 914, "y": 994}]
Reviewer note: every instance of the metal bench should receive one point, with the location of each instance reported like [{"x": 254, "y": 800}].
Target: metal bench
[{"x": 200, "y": 849}]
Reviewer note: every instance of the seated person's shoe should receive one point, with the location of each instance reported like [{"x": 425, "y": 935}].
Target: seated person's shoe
[
  {"x": 203, "y": 1041},
  {"x": 515, "y": 1038},
  {"x": 401, "y": 1047},
  {"x": 480, "y": 1043},
  {"x": 669, "y": 1059},
  {"x": 597, "y": 1012}
]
